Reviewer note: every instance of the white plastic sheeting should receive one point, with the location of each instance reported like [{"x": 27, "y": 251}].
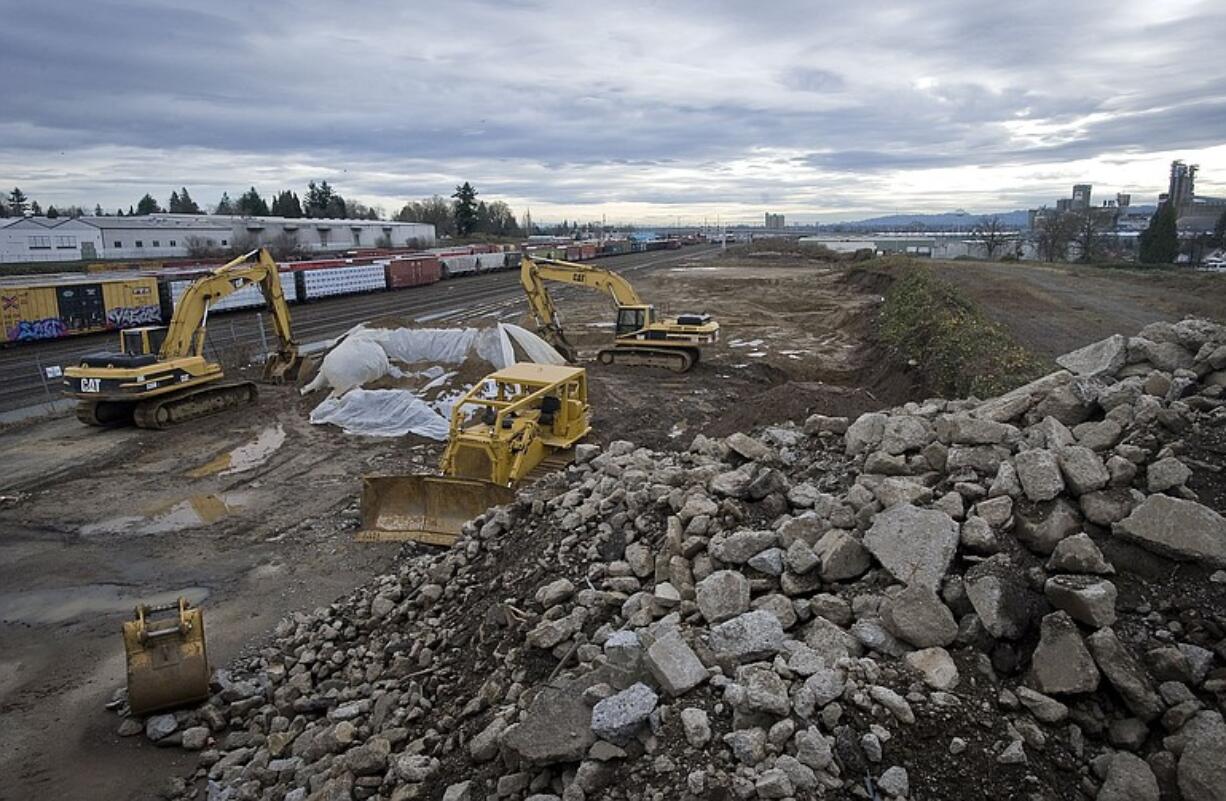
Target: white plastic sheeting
[
  {"x": 381, "y": 413},
  {"x": 366, "y": 354},
  {"x": 350, "y": 364}
]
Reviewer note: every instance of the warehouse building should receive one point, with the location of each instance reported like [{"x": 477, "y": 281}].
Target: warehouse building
[
  {"x": 33, "y": 239},
  {"x": 318, "y": 234}
]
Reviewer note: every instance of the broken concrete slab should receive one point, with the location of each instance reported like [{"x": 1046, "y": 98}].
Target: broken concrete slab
[
  {"x": 1177, "y": 528},
  {"x": 1100, "y": 359},
  {"x": 915, "y": 545}
]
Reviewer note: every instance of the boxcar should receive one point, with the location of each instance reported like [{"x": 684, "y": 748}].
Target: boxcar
[
  {"x": 50, "y": 307},
  {"x": 412, "y": 271}
]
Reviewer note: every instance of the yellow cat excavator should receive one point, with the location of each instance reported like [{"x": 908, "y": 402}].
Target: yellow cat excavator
[
  {"x": 160, "y": 376},
  {"x": 639, "y": 338}
]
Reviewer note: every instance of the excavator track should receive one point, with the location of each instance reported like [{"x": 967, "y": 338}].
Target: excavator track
[
  {"x": 678, "y": 360},
  {"x": 164, "y": 412},
  {"x": 105, "y": 414}
]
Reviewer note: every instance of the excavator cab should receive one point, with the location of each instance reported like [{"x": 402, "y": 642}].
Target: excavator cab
[
  {"x": 143, "y": 341},
  {"x": 632, "y": 319}
]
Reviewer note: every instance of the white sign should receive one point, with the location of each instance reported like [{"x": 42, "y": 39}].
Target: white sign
[{"x": 54, "y": 372}]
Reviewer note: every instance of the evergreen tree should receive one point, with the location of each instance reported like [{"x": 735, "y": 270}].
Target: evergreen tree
[
  {"x": 131, "y": 211},
  {"x": 286, "y": 204},
  {"x": 465, "y": 206},
  {"x": 98, "y": 210},
  {"x": 225, "y": 205},
  {"x": 321, "y": 201},
  {"x": 4, "y": 210},
  {"x": 1219, "y": 231},
  {"x": 252, "y": 205},
  {"x": 186, "y": 204},
  {"x": 17, "y": 202},
  {"x": 147, "y": 205},
  {"x": 52, "y": 213},
  {"x": 1159, "y": 243},
  {"x": 173, "y": 206},
  {"x": 36, "y": 209}
]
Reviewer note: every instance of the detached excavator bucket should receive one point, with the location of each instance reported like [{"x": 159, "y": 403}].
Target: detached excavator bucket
[
  {"x": 424, "y": 508},
  {"x": 167, "y": 664}
]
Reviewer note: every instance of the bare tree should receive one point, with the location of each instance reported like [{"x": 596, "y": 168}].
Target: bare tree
[
  {"x": 993, "y": 234},
  {"x": 1087, "y": 234},
  {"x": 199, "y": 247},
  {"x": 1053, "y": 231}
]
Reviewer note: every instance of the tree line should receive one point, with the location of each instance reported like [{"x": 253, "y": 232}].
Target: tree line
[
  {"x": 320, "y": 200},
  {"x": 463, "y": 214}
]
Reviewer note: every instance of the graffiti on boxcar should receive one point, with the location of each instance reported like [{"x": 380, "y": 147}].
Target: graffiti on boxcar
[
  {"x": 27, "y": 330},
  {"x": 128, "y": 316}
]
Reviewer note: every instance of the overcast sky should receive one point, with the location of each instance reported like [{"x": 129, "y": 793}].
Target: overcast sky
[{"x": 641, "y": 111}]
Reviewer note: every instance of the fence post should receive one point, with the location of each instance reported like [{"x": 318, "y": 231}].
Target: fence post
[{"x": 259, "y": 316}]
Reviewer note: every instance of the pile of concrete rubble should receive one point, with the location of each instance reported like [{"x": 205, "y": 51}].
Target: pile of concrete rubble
[{"x": 1014, "y": 598}]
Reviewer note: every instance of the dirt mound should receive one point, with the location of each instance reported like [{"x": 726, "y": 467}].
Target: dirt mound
[
  {"x": 794, "y": 401},
  {"x": 922, "y": 602}
]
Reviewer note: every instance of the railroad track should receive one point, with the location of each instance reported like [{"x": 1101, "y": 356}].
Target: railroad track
[{"x": 458, "y": 299}]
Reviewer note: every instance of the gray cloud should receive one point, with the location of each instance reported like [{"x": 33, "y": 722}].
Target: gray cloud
[{"x": 651, "y": 108}]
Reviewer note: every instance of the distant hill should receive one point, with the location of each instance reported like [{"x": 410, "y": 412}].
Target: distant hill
[{"x": 949, "y": 220}]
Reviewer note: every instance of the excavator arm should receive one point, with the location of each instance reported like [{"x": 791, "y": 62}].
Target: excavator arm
[
  {"x": 186, "y": 334},
  {"x": 533, "y": 273}
]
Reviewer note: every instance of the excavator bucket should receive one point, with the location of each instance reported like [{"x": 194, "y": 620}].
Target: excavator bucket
[
  {"x": 424, "y": 508},
  {"x": 282, "y": 367},
  {"x": 167, "y": 664}
]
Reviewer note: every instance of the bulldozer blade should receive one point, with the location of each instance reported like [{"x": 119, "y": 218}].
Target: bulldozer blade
[
  {"x": 166, "y": 659},
  {"x": 424, "y": 508}
]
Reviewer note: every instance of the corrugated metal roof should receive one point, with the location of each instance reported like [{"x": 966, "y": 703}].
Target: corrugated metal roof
[{"x": 151, "y": 223}]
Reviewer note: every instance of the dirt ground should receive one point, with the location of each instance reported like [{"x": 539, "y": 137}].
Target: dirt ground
[
  {"x": 252, "y": 514},
  {"x": 1055, "y": 308}
]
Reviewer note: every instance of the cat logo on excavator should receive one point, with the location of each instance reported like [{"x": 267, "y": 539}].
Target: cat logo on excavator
[{"x": 515, "y": 426}]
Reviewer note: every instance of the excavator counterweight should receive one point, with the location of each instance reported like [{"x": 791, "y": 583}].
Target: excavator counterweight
[
  {"x": 640, "y": 337},
  {"x": 160, "y": 376}
]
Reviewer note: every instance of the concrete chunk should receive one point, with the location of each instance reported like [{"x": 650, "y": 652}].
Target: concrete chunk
[
  {"x": 1180, "y": 529},
  {"x": 674, "y": 665}
]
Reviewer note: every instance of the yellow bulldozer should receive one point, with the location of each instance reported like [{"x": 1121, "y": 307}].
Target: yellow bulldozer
[
  {"x": 639, "y": 338},
  {"x": 160, "y": 376},
  {"x": 520, "y": 423}
]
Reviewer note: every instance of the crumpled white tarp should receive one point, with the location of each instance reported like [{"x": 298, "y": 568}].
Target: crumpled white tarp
[
  {"x": 381, "y": 413},
  {"x": 366, "y": 354},
  {"x": 350, "y": 364}
]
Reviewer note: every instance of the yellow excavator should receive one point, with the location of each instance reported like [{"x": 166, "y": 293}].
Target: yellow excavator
[
  {"x": 517, "y": 425},
  {"x": 160, "y": 376},
  {"x": 639, "y": 337}
]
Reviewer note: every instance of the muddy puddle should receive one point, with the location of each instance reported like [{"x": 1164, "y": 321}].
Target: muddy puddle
[
  {"x": 193, "y": 512},
  {"x": 74, "y": 603},
  {"x": 245, "y": 457}
]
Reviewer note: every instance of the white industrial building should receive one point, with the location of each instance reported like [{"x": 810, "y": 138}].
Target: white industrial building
[
  {"x": 27, "y": 239},
  {"x": 319, "y": 234}
]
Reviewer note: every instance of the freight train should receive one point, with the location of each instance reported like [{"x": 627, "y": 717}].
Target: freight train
[{"x": 50, "y": 307}]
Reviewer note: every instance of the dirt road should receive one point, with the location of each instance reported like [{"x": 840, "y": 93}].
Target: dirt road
[
  {"x": 252, "y": 514},
  {"x": 1057, "y": 308}
]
